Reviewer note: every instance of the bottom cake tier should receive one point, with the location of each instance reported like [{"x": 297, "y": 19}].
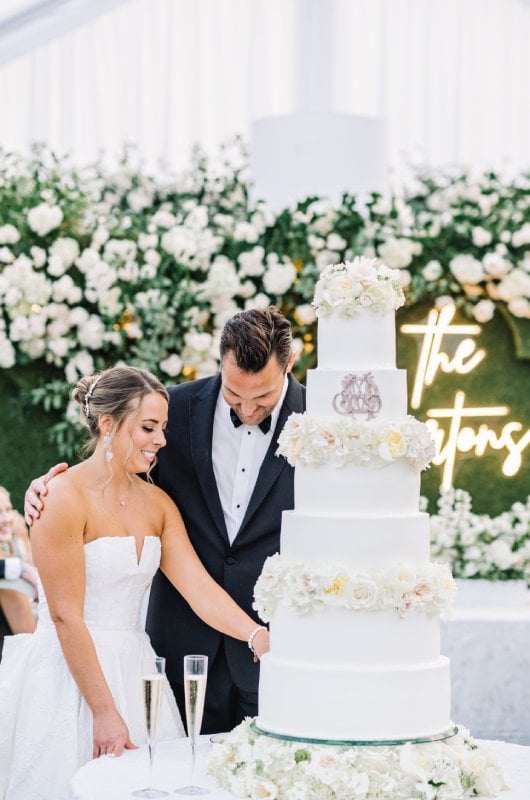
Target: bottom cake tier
[{"x": 347, "y": 702}]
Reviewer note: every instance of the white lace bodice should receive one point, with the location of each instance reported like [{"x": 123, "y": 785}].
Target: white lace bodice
[{"x": 115, "y": 582}]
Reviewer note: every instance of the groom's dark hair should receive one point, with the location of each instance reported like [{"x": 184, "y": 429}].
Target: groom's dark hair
[{"x": 255, "y": 335}]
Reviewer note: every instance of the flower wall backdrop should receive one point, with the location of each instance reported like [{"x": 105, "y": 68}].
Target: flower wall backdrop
[{"x": 108, "y": 263}]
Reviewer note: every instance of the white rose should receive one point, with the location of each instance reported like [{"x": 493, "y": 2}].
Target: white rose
[
  {"x": 466, "y": 269},
  {"x": 9, "y": 234},
  {"x": 495, "y": 265},
  {"x": 56, "y": 266},
  {"x": 500, "y": 554},
  {"x": 245, "y": 232},
  {"x": 522, "y": 236},
  {"x": 251, "y": 263},
  {"x": 146, "y": 241},
  {"x": 489, "y": 782},
  {"x": 7, "y": 353},
  {"x": 200, "y": 342},
  {"x": 247, "y": 289},
  {"x": 335, "y": 242},
  {"x": 44, "y": 218},
  {"x": 481, "y": 237},
  {"x": 515, "y": 284},
  {"x": 519, "y": 307},
  {"x": 172, "y": 365},
  {"x": 259, "y": 300},
  {"x": 38, "y": 255},
  {"x": 484, "y": 310},
  {"x": 6, "y": 256},
  {"x": 443, "y": 300},
  {"x": 90, "y": 334},
  {"x": 398, "y": 253},
  {"x": 305, "y": 314},
  {"x": 326, "y": 257},
  {"x": 66, "y": 249},
  {"x": 279, "y": 278},
  {"x": 65, "y": 289},
  {"x": 432, "y": 270},
  {"x": 99, "y": 237},
  {"x": 198, "y": 218},
  {"x": 163, "y": 219},
  {"x": 138, "y": 199}
]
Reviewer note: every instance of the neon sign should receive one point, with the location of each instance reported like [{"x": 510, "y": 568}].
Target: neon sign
[{"x": 460, "y": 437}]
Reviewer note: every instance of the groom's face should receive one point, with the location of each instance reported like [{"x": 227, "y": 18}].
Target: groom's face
[{"x": 252, "y": 395}]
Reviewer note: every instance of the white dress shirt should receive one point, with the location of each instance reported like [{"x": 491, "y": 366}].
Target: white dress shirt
[{"x": 237, "y": 455}]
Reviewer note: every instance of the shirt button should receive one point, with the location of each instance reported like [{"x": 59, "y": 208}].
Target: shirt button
[
  {"x": 242, "y": 469},
  {"x": 249, "y": 432},
  {"x": 238, "y": 505}
]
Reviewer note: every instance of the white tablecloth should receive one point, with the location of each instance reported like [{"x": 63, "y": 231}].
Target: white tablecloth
[
  {"x": 115, "y": 779},
  {"x": 488, "y": 643}
]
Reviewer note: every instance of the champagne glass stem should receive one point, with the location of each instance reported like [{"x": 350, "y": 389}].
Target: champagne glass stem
[
  {"x": 151, "y": 757},
  {"x": 192, "y": 738}
]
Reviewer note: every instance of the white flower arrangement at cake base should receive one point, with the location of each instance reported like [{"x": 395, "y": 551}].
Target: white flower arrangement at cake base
[
  {"x": 362, "y": 283},
  {"x": 430, "y": 588},
  {"x": 307, "y": 440},
  {"x": 257, "y": 766}
]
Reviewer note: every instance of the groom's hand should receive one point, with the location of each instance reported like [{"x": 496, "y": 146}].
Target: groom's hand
[{"x": 38, "y": 489}]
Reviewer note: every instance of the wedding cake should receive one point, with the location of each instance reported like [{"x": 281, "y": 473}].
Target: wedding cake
[{"x": 352, "y": 598}]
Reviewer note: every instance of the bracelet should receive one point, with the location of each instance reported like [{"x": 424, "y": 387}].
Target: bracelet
[{"x": 250, "y": 642}]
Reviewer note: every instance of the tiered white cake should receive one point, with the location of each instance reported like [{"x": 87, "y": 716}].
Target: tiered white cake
[
  {"x": 356, "y": 665},
  {"x": 352, "y": 598}
]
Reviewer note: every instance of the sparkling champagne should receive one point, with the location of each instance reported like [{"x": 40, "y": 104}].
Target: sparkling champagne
[
  {"x": 194, "y": 692},
  {"x": 153, "y": 686}
]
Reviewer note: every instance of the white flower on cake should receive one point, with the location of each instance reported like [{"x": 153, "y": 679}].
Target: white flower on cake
[
  {"x": 361, "y": 283},
  {"x": 255, "y": 766},
  {"x": 430, "y": 588},
  {"x": 307, "y": 440}
]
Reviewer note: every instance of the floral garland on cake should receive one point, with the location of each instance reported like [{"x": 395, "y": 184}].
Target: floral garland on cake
[
  {"x": 362, "y": 283},
  {"x": 251, "y": 765},
  {"x": 430, "y": 588},
  {"x": 308, "y": 440}
]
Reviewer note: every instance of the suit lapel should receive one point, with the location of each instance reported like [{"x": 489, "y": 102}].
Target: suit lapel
[
  {"x": 272, "y": 465},
  {"x": 202, "y": 410}
]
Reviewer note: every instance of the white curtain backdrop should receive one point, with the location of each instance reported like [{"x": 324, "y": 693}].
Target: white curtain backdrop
[{"x": 451, "y": 77}]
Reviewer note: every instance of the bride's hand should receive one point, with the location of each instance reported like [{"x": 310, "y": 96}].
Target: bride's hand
[
  {"x": 261, "y": 643},
  {"x": 111, "y": 736}
]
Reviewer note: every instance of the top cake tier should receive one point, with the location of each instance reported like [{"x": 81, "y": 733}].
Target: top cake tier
[{"x": 355, "y": 304}]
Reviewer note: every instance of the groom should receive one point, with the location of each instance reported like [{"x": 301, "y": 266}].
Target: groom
[{"x": 220, "y": 468}]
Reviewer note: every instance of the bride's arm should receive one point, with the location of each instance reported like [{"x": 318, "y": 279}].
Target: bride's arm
[
  {"x": 57, "y": 545},
  {"x": 182, "y": 566}
]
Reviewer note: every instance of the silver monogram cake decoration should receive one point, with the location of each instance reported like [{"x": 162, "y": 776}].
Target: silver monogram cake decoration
[{"x": 359, "y": 395}]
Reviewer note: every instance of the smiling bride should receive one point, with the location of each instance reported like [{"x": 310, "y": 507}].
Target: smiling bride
[{"x": 71, "y": 691}]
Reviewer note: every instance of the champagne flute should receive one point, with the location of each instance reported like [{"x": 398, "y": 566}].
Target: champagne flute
[
  {"x": 153, "y": 671},
  {"x": 195, "y": 672}
]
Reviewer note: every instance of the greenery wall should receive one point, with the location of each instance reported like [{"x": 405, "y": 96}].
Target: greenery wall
[{"x": 501, "y": 379}]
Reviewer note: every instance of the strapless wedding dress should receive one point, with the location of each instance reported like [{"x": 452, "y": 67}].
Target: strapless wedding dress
[{"x": 45, "y": 724}]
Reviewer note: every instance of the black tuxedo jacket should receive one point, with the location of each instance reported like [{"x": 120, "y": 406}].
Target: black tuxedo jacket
[{"x": 185, "y": 472}]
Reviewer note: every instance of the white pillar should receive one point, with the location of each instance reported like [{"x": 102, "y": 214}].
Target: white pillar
[{"x": 314, "y": 150}]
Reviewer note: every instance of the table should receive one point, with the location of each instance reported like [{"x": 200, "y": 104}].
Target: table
[
  {"x": 488, "y": 643},
  {"x": 115, "y": 778}
]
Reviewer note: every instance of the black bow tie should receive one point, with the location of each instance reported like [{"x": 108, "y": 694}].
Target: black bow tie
[{"x": 264, "y": 425}]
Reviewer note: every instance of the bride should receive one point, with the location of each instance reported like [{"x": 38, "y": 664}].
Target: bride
[{"x": 71, "y": 691}]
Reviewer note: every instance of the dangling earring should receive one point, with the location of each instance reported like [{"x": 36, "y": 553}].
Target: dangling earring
[{"x": 107, "y": 445}]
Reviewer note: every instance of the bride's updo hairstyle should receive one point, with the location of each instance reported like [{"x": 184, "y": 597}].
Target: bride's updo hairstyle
[{"x": 116, "y": 391}]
